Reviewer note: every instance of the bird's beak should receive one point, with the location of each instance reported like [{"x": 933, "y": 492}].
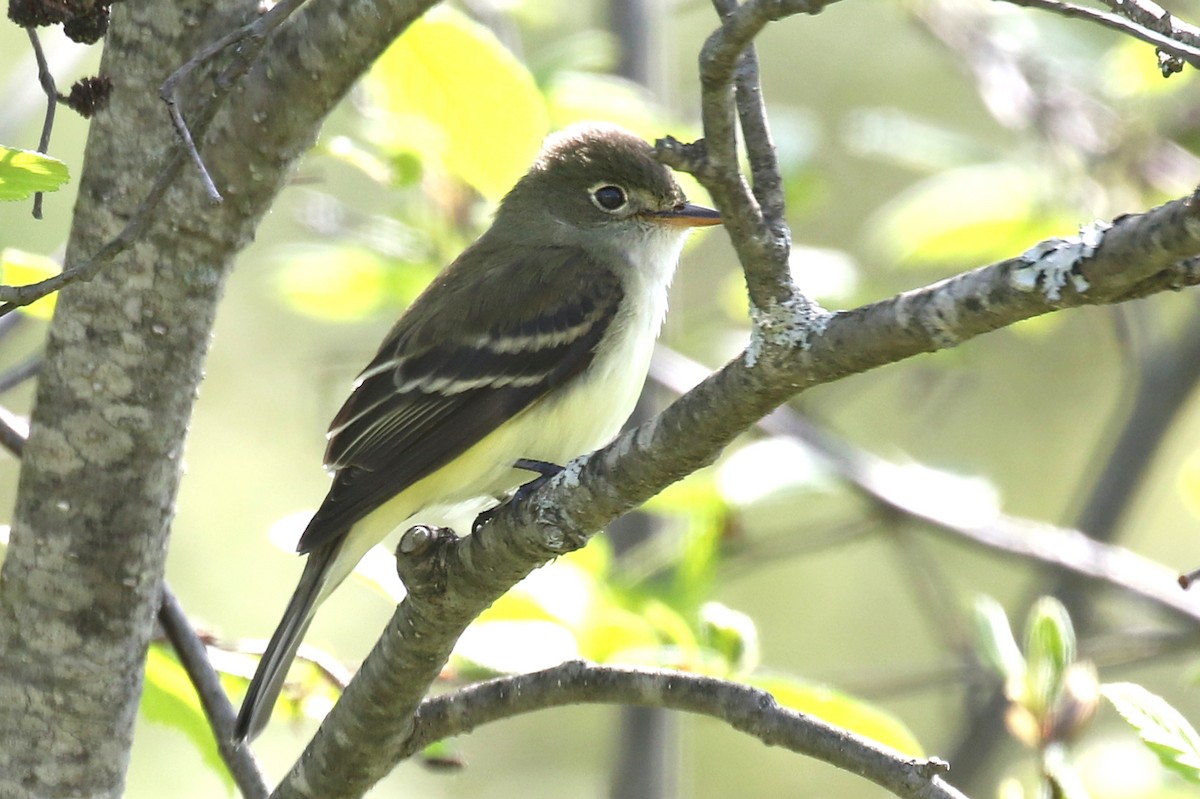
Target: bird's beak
[{"x": 687, "y": 215}]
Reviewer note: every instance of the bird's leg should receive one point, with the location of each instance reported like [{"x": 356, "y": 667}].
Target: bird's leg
[{"x": 544, "y": 469}]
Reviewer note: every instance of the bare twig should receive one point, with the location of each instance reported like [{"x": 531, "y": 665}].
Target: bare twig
[
  {"x": 759, "y": 235},
  {"x": 256, "y": 32},
  {"x": 1156, "y": 18},
  {"x": 194, "y": 657},
  {"x": 13, "y": 432},
  {"x": 1185, "y": 52},
  {"x": 46, "y": 79},
  {"x": 12, "y": 297},
  {"x": 748, "y": 710}
]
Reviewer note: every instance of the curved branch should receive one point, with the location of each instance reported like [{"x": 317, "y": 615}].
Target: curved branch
[
  {"x": 217, "y": 709},
  {"x": 748, "y": 710}
]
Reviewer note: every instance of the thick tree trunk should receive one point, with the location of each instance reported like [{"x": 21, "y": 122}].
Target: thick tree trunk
[{"x": 124, "y": 359}]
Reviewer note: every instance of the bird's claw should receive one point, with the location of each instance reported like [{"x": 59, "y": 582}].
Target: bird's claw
[{"x": 544, "y": 469}]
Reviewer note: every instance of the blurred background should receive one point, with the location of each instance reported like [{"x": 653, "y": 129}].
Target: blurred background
[{"x": 918, "y": 139}]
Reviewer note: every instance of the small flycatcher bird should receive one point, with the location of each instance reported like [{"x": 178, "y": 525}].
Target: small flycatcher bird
[{"x": 532, "y": 345}]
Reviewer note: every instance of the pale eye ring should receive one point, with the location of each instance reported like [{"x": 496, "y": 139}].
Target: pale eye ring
[{"x": 609, "y": 198}]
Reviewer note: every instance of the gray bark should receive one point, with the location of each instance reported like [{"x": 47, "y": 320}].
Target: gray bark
[{"x": 80, "y": 583}]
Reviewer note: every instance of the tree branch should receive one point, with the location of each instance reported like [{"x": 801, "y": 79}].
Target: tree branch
[
  {"x": 46, "y": 80},
  {"x": 1188, "y": 53},
  {"x": 220, "y": 713},
  {"x": 748, "y": 710}
]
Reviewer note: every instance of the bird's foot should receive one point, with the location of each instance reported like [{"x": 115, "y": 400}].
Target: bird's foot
[{"x": 544, "y": 469}]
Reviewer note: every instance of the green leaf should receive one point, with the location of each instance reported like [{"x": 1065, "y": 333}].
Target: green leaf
[
  {"x": 512, "y": 647},
  {"x": 995, "y": 640},
  {"x": 338, "y": 284},
  {"x": 840, "y": 710},
  {"x": 1161, "y": 727},
  {"x": 24, "y": 172},
  {"x": 169, "y": 698},
  {"x": 450, "y": 90},
  {"x": 612, "y": 633},
  {"x": 732, "y": 634},
  {"x": 21, "y": 268},
  {"x": 672, "y": 627},
  {"x": 704, "y": 513},
  {"x": 1049, "y": 651},
  {"x": 442, "y": 756}
]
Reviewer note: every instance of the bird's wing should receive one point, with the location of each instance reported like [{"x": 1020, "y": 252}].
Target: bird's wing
[{"x": 438, "y": 386}]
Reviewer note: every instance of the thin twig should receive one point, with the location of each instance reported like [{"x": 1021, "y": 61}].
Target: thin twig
[
  {"x": 748, "y": 710},
  {"x": 46, "y": 79},
  {"x": 220, "y": 713},
  {"x": 1156, "y": 18},
  {"x": 767, "y": 180},
  {"x": 14, "y": 430},
  {"x": 14, "y": 297},
  {"x": 1185, "y": 52},
  {"x": 255, "y": 31}
]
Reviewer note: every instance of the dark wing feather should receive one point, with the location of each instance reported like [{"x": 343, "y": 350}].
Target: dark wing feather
[{"x": 439, "y": 386}]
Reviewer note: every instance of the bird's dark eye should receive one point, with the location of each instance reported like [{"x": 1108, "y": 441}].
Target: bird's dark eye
[{"x": 609, "y": 198}]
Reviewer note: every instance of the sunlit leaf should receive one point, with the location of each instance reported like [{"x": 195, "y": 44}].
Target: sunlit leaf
[
  {"x": 1131, "y": 69},
  {"x": 1049, "y": 651},
  {"x": 696, "y": 570},
  {"x": 451, "y": 90},
  {"x": 1161, "y": 727},
  {"x": 671, "y": 626},
  {"x": 334, "y": 283},
  {"x": 169, "y": 698},
  {"x": 970, "y": 215},
  {"x": 732, "y": 634},
  {"x": 594, "y": 560},
  {"x": 996, "y": 642},
  {"x": 442, "y": 756},
  {"x": 841, "y": 710},
  {"x": 513, "y": 647},
  {"x": 24, "y": 172},
  {"x": 559, "y": 591},
  {"x": 22, "y": 268},
  {"x": 612, "y": 631}
]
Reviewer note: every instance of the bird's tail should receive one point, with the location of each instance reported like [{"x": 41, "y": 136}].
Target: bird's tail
[{"x": 273, "y": 667}]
